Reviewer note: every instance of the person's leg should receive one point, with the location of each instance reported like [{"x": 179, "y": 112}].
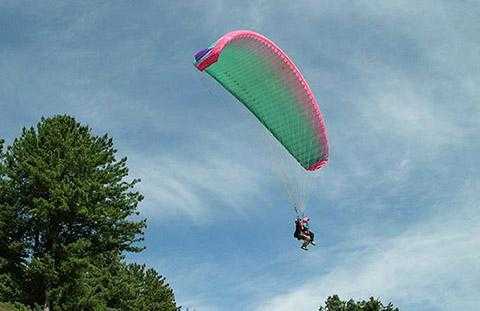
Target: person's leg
[
  {"x": 306, "y": 240},
  {"x": 312, "y": 237}
]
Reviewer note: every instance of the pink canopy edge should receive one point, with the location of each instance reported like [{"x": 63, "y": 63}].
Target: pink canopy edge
[{"x": 212, "y": 56}]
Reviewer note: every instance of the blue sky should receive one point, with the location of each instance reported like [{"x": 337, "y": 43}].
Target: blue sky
[{"x": 396, "y": 211}]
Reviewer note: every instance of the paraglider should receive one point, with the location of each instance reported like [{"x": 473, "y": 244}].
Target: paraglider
[{"x": 264, "y": 79}]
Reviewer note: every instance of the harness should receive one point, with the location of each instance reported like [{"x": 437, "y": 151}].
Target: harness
[{"x": 298, "y": 229}]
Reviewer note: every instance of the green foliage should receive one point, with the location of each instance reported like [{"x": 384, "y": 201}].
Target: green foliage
[
  {"x": 110, "y": 284},
  {"x": 334, "y": 303},
  {"x": 13, "y": 307},
  {"x": 137, "y": 288},
  {"x": 67, "y": 213},
  {"x": 12, "y": 246}
]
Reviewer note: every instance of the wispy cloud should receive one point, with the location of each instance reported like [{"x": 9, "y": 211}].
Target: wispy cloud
[{"x": 214, "y": 175}]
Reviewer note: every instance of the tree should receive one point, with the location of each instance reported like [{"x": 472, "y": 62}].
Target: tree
[
  {"x": 334, "y": 303},
  {"x": 135, "y": 287},
  {"x": 111, "y": 284},
  {"x": 11, "y": 244},
  {"x": 71, "y": 206}
]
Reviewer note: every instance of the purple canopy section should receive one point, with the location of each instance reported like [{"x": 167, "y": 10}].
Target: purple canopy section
[{"x": 201, "y": 53}]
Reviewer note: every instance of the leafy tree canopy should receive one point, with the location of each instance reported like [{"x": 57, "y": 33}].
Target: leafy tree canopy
[
  {"x": 67, "y": 214},
  {"x": 334, "y": 303}
]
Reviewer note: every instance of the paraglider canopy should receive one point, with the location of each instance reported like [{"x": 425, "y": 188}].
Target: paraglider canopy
[{"x": 262, "y": 77}]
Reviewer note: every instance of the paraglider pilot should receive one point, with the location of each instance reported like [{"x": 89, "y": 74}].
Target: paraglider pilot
[{"x": 303, "y": 233}]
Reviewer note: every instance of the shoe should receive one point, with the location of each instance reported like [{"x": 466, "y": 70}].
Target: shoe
[
  {"x": 304, "y": 248},
  {"x": 313, "y": 243}
]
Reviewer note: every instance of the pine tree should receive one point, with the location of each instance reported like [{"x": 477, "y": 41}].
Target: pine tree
[
  {"x": 12, "y": 248},
  {"x": 137, "y": 288},
  {"x": 69, "y": 200}
]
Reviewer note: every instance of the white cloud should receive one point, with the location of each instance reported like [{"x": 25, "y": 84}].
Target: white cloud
[
  {"x": 397, "y": 107},
  {"x": 191, "y": 188},
  {"x": 213, "y": 175}
]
